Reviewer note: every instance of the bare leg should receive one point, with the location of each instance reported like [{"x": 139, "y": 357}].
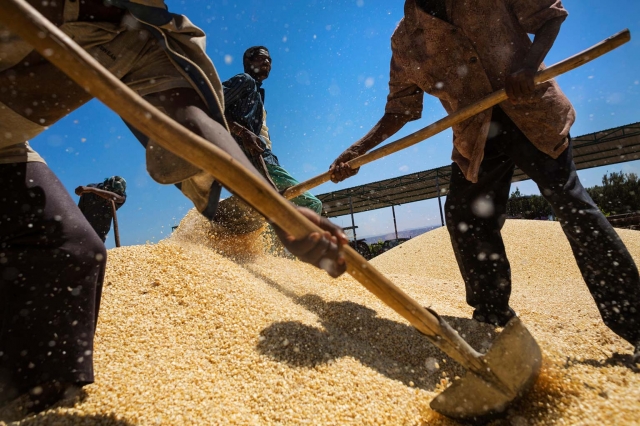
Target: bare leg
[{"x": 187, "y": 108}]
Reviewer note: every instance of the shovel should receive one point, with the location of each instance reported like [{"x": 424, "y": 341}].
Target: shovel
[
  {"x": 116, "y": 230},
  {"x": 492, "y": 381},
  {"x": 469, "y": 111}
]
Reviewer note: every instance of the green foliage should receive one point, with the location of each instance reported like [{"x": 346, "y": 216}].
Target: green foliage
[
  {"x": 376, "y": 248},
  {"x": 619, "y": 193},
  {"x": 527, "y": 206}
]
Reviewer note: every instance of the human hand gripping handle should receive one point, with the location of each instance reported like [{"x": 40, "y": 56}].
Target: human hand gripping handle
[
  {"x": 520, "y": 84},
  {"x": 470, "y": 110},
  {"x": 340, "y": 170},
  {"x": 250, "y": 141},
  {"x": 60, "y": 50},
  {"x": 321, "y": 249},
  {"x": 86, "y": 71}
]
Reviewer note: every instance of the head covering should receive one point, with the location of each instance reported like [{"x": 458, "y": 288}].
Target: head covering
[{"x": 115, "y": 184}]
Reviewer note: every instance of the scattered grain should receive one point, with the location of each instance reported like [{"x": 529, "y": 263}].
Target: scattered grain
[{"x": 204, "y": 329}]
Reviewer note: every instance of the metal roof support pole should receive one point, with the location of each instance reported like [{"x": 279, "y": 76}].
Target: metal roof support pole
[
  {"x": 394, "y": 221},
  {"x": 439, "y": 202},
  {"x": 353, "y": 222}
]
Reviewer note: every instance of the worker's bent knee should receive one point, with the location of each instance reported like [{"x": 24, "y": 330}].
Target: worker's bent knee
[
  {"x": 197, "y": 120},
  {"x": 86, "y": 253},
  {"x": 97, "y": 252}
]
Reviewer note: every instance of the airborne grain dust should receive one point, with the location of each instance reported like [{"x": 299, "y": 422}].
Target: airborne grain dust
[{"x": 201, "y": 329}]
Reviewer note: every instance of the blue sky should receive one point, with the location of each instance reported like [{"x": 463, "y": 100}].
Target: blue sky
[{"x": 327, "y": 88}]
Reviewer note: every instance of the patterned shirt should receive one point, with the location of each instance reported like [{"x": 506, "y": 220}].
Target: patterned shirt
[
  {"x": 244, "y": 104},
  {"x": 467, "y": 58}
]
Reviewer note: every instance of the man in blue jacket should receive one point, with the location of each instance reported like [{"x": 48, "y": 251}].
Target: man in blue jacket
[{"x": 244, "y": 108}]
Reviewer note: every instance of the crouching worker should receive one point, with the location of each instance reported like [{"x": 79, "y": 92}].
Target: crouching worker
[
  {"x": 95, "y": 203},
  {"x": 52, "y": 263}
]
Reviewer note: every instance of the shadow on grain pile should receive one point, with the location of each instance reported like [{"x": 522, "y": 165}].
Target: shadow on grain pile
[
  {"x": 399, "y": 352},
  {"x": 15, "y": 415},
  {"x": 205, "y": 328},
  {"x": 56, "y": 419},
  {"x": 354, "y": 330}
]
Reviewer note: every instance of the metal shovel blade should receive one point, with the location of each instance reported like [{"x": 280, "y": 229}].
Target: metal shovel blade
[{"x": 513, "y": 363}]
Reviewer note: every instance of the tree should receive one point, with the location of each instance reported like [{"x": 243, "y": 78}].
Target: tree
[
  {"x": 527, "y": 206},
  {"x": 619, "y": 193}
]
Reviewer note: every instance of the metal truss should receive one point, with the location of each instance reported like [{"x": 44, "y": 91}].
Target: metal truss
[{"x": 601, "y": 148}]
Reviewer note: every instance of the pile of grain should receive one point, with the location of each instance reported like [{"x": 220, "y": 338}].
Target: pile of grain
[{"x": 192, "y": 335}]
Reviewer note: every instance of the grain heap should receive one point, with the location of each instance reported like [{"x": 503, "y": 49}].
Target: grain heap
[{"x": 189, "y": 335}]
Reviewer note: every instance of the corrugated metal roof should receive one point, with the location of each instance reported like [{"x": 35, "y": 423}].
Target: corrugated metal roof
[{"x": 610, "y": 146}]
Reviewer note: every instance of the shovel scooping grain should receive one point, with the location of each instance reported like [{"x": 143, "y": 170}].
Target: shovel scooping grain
[{"x": 201, "y": 330}]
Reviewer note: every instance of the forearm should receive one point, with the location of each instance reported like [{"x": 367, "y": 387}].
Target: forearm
[
  {"x": 235, "y": 128},
  {"x": 520, "y": 84},
  {"x": 250, "y": 142},
  {"x": 107, "y": 195},
  {"x": 542, "y": 43},
  {"x": 198, "y": 121},
  {"x": 184, "y": 106},
  {"x": 117, "y": 198},
  {"x": 388, "y": 125}
]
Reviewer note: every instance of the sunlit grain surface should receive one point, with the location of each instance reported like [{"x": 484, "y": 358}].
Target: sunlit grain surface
[{"x": 192, "y": 336}]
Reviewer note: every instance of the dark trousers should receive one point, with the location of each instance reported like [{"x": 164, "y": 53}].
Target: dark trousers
[
  {"x": 476, "y": 213},
  {"x": 52, "y": 265}
]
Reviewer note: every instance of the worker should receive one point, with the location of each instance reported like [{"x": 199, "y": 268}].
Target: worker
[
  {"x": 244, "y": 99},
  {"x": 51, "y": 263},
  {"x": 460, "y": 52},
  {"x": 95, "y": 203}
]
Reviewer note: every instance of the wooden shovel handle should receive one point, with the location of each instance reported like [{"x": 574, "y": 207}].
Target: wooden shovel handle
[
  {"x": 60, "y": 50},
  {"x": 116, "y": 230},
  {"x": 469, "y": 111}
]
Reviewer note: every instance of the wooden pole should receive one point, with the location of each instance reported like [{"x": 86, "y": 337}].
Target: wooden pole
[
  {"x": 353, "y": 223},
  {"x": 439, "y": 201},
  {"x": 467, "y": 112},
  {"x": 395, "y": 226},
  {"x": 23, "y": 20},
  {"x": 116, "y": 232}
]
